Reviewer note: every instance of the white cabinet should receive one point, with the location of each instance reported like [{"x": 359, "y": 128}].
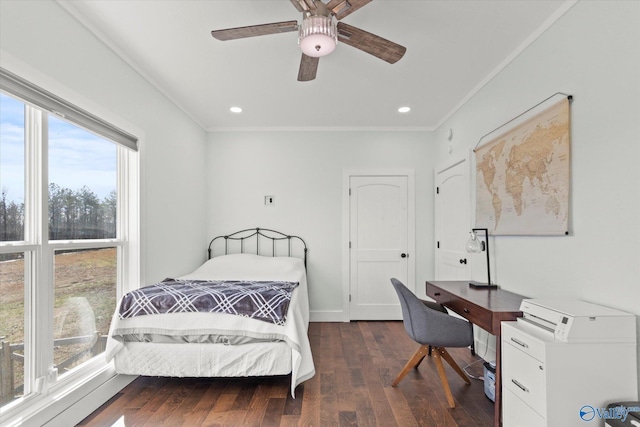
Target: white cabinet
[{"x": 548, "y": 382}]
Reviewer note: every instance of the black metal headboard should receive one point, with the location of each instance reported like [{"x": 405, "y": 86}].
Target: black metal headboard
[{"x": 243, "y": 241}]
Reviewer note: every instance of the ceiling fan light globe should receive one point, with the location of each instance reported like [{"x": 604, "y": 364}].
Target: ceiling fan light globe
[
  {"x": 317, "y": 45},
  {"x": 318, "y": 35}
]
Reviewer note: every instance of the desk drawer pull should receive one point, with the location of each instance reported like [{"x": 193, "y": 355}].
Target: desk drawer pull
[
  {"x": 466, "y": 310},
  {"x": 520, "y": 386},
  {"x": 520, "y": 343},
  {"x": 436, "y": 294}
]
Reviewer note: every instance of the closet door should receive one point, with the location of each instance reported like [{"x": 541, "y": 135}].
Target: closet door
[
  {"x": 379, "y": 227},
  {"x": 452, "y": 223}
]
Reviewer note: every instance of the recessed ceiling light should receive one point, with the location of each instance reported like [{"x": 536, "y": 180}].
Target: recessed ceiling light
[
  {"x": 235, "y": 109},
  {"x": 404, "y": 109}
]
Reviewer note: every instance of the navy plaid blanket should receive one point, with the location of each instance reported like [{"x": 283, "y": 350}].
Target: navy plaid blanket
[{"x": 266, "y": 301}]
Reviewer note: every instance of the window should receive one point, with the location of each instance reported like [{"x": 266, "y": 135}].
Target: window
[
  {"x": 11, "y": 169},
  {"x": 68, "y": 221}
]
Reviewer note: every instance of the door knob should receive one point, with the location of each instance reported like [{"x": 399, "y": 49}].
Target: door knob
[
  {"x": 403, "y": 255},
  {"x": 463, "y": 261}
]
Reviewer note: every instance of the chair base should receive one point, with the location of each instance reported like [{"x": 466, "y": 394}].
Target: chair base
[{"x": 440, "y": 353}]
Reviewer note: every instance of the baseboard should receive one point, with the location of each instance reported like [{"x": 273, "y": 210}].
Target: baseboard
[{"x": 327, "y": 316}]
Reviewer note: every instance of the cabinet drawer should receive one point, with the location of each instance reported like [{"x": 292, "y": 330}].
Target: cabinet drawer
[
  {"x": 524, "y": 376},
  {"x": 523, "y": 341},
  {"x": 518, "y": 414}
]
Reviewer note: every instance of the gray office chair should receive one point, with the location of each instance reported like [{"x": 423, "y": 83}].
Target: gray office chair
[{"x": 430, "y": 325}]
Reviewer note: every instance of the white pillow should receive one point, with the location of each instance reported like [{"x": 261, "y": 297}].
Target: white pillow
[{"x": 248, "y": 267}]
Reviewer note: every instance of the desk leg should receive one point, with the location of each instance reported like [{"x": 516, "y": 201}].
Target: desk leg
[{"x": 497, "y": 413}]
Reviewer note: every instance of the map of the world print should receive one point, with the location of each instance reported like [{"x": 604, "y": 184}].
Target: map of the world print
[{"x": 522, "y": 176}]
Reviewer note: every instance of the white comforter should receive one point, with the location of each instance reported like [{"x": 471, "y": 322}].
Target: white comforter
[{"x": 234, "y": 267}]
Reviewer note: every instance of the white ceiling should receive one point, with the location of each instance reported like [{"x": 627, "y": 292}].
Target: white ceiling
[{"x": 453, "y": 47}]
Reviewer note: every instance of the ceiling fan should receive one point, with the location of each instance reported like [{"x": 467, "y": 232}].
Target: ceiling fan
[{"x": 319, "y": 33}]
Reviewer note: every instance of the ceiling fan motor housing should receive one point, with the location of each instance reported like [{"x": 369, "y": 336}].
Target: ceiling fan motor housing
[{"x": 318, "y": 35}]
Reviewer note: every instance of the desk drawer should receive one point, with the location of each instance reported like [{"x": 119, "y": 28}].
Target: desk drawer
[
  {"x": 438, "y": 294},
  {"x": 473, "y": 313}
]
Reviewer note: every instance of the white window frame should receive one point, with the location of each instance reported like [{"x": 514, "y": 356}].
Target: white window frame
[{"x": 46, "y": 395}]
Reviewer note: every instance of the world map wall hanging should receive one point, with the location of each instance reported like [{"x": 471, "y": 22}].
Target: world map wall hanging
[{"x": 523, "y": 173}]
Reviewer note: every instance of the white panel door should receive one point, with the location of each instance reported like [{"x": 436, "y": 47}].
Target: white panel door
[
  {"x": 378, "y": 234},
  {"x": 452, "y": 212}
]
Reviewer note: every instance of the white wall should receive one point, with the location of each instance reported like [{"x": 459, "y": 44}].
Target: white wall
[
  {"x": 304, "y": 171},
  {"x": 592, "y": 53},
  {"x": 44, "y": 44}
]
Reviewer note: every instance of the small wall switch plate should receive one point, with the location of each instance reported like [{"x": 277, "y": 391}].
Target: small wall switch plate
[{"x": 269, "y": 200}]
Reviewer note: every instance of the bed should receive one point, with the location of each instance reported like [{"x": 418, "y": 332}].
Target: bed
[{"x": 242, "y": 313}]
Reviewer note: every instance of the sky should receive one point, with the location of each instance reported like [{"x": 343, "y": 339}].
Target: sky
[{"x": 76, "y": 157}]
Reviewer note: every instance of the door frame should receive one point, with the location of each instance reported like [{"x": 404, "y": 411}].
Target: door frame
[{"x": 411, "y": 228}]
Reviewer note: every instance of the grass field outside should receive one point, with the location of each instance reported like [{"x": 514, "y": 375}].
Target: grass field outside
[{"x": 84, "y": 301}]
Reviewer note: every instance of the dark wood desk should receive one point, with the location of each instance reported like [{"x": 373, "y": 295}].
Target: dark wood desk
[{"x": 483, "y": 307}]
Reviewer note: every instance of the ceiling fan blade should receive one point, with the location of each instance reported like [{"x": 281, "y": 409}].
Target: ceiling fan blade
[
  {"x": 297, "y": 5},
  {"x": 304, "y": 5},
  {"x": 342, "y": 8},
  {"x": 308, "y": 68},
  {"x": 255, "y": 30},
  {"x": 370, "y": 43}
]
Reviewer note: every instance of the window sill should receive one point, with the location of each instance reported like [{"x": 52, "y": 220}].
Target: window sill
[{"x": 68, "y": 403}]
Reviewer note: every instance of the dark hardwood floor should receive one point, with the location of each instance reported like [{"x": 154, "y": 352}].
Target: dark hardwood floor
[{"x": 355, "y": 365}]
